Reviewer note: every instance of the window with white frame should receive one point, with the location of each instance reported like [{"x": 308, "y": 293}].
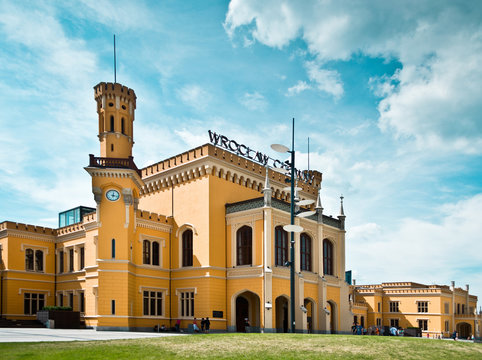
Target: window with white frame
[
  {"x": 61, "y": 261},
  {"x": 33, "y": 302},
  {"x": 447, "y": 325},
  {"x": 423, "y": 324},
  {"x": 379, "y": 322},
  {"x": 82, "y": 302},
  {"x": 153, "y": 303},
  {"x": 186, "y": 303},
  {"x": 71, "y": 260},
  {"x": 34, "y": 260},
  {"x": 150, "y": 253},
  {"x": 379, "y": 307},
  {"x": 394, "y": 323},
  {"x": 81, "y": 258},
  {"x": 422, "y": 306},
  {"x": 394, "y": 306},
  {"x": 446, "y": 308}
]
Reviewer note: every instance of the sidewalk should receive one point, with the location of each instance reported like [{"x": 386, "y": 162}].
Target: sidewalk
[{"x": 37, "y": 335}]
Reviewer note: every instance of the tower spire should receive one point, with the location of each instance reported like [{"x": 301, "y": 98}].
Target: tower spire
[
  {"x": 318, "y": 206},
  {"x": 115, "y": 64},
  {"x": 342, "y": 212},
  {"x": 342, "y": 216}
]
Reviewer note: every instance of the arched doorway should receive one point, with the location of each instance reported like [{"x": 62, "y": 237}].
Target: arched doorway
[
  {"x": 282, "y": 315},
  {"x": 247, "y": 307},
  {"x": 464, "y": 330},
  {"x": 331, "y": 308},
  {"x": 311, "y": 322}
]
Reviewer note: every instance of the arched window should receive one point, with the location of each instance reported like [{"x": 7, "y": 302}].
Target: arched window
[
  {"x": 281, "y": 246},
  {"x": 112, "y": 123},
  {"x": 29, "y": 259},
  {"x": 146, "y": 251},
  {"x": 122, "y": 126},
  {"x": 305, "y": 252},
  {"x": 113, "y": 248},
  {"x": 187, "y": 248},
  {"x": 327, "y": 257},
  {"x": 155, "y": 253},
  {"x": 244, "y": 243}
]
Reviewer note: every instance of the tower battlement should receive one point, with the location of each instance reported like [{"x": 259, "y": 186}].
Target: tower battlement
[{"x": 111, "y": 90}]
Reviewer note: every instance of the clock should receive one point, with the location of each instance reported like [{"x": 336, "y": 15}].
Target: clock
[{"x": 112, "y": 195}]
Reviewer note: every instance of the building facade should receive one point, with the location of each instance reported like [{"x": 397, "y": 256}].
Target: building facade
[
  {"x": 438, "y": 310},
  {"x": 197, "y": 235}
]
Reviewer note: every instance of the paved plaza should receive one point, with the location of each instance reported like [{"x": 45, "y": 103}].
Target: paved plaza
[{"x": 39, "y": 334}]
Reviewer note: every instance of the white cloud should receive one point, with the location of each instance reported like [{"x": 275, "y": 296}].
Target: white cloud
[
  {"x": 435, "y": 96},
  {"x": 418, "y": 250},
  {"x": 194, "y": 96},
  {"x": 299, "y": 87},
  {"x": 254, "y": 101}
]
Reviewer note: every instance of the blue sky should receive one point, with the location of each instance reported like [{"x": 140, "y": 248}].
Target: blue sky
[{"x": 388, "y": 92}]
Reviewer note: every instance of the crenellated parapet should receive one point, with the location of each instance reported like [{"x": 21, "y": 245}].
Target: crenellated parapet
[
  {"x": 111, "y": 91},
  {"x": 9, "y": 225}
]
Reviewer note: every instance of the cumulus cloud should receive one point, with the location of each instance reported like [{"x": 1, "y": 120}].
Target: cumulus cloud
[
  {"x": 299, "y": 87},
  {"x": 254, "y": 101},
  {"x": 435, "y": 96}
]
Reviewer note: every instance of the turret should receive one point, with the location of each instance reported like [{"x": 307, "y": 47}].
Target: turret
[{"x": 115, "y": 106}]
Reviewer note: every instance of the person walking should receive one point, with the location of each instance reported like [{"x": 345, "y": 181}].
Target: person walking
[
  {"x": 202, "y": 324},
  {"x": 207, "y": 325}
]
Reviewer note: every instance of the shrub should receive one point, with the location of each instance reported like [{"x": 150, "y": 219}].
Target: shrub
[{"x": 61, "y": 308}]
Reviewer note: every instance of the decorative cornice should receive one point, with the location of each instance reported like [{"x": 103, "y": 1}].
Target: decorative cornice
[
  {"x": 116, "y": 173},
  {"x": 26, "y": 235},
  {"x": 143, "y": 223}
]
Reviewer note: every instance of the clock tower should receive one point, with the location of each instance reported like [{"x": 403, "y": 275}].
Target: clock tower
[{"x": 116, "y": 183}]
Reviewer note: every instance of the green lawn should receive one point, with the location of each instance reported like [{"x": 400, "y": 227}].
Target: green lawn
[{"x": 248, "y": 346}]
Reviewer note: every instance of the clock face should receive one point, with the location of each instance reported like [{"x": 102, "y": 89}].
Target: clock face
[{"x": 112, "y": 195}]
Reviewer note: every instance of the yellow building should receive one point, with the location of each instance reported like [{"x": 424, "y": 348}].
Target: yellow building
[
  {"x": 438, "y": 310},
  {"x": 197, "y": 235}
]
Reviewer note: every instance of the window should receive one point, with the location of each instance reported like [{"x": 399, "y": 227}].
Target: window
[
  {"x": 152, "y": 303},
  {"x": 327, "y": 257},
  {"x": 394, "y": 306},
  {"x": 113, "y": 248},
  {"x": 61, "y": 300},
  {"x": 82, "y": 258},
  {"x": 463, "y": 308},
  {"x": 379, "y": 322},
  {"x": 187, "y": 304},
  {"x": 422, "y": 306},
  {"x": 187, "y": 252},
  {"x": 29, "y": 259},
  {"x": 458, "y": 308},
  {"x": 281, "y": 246},
  {"x": 112, "y": 307},
  {"x": 355, "y": 319},
  {"x": 446, "y": 308},
  {"x": 32, "y": 303},
  {"x": 71, "y": 300},
  {"x": 423, "y": 325},
  {"x": 61, "y": 261},
  {"x": 447, "y": 328},
  {"x": 379, "y": 307},
  {"x": 81, "y": 302},
  {"x": 39, "y": 260},
  {"x": 122, "y": 126},
  {"x": 112, "y": 123},
  {"x": 146, "y": 251},
  {"x": 305, "y": 252},
  {"x": 155, "y": 253},
  {"x": 71, "y": 260},
  {"x": 362, "y": 321},
  {"x": 244, "y": 246},
  {"x": 150, "y": 248},
  {"x": 394, "y": 323}
]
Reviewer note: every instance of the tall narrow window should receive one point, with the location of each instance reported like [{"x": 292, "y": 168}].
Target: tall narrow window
[
  {"x": 61, "y": 261},
  {"x": 113, "y": 248},
  {"x": 71, "y": 260},
  {"x": 423, "y": 324},
  {"x": 146, "y": 251},
  {"x": 29, "y": 259},
  {"x": 244, "y": 240},
  {"x": 155, "y": 253},
  {"x": 327, "y": 257},
  {"x": 187, "y": 252},
  {"x": 61, "y": 299},
  {"x": 39, "y": 260},
  {"x": 305, "y": 252},
  {"x": 112, "y": 307},
  {"x": 362, "y": 321},
  {"x": 281, "y": 246},
  {"x": 152, "y": 303},
  {"x": 379, "y": 322},
  {"x": 122, "y": 126},
  {"x": 32, "y": 303},
  {"x": 187, "y": 304},
  {"x": 71, "y": 300},
  {"x": 82, "y": 258},
  {"x": 112, "y": 123},
  {"x": 81, "y": 302}
]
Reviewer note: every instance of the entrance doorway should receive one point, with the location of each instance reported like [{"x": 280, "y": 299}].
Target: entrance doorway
[
  {"x": 464, "y": 330},
  {"x": 332, "y": 309},
  {"x": 247, "y": 308},
  {"x": 282, "y": 319}
]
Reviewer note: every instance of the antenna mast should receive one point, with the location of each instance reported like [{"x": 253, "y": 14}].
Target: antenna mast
[
  {"x": 115, "y": 70},
  {"x": 308, "y": 153}
]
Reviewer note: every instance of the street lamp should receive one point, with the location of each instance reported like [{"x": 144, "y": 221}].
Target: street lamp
[{"x": 292, "y": 228}]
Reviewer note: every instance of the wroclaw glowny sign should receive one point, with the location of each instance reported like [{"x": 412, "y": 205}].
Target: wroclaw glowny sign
[{"x": 245, "y": 151}]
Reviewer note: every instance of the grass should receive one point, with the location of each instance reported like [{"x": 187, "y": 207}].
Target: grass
[{"x": 248, "y": 346}]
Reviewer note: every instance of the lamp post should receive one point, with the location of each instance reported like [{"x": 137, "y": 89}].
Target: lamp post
[{"x": 292, "y": 228}]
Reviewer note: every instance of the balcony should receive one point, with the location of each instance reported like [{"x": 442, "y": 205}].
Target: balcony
[{"x": 117, "y": 163}]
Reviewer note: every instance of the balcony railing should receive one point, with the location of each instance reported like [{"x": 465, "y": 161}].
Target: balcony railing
[{"x": 118, "y": 163}]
